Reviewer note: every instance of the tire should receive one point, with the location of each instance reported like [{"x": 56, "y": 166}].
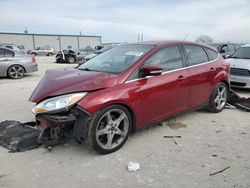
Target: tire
[
  {"x": 16, "y": 71},
  {"x": 218, "y": 99},
  {"x": 49, "y": 54},
  {"x": 33, "y": 54},
  {"x": 71, "y": 60},
  {"x": 109, "y": 128}
]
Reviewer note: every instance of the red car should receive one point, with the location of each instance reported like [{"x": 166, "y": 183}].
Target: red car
[{"x": 129, "y": 87}]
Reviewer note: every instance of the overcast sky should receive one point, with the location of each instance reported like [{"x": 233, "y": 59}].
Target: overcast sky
[{"x": 120, "y": 21}]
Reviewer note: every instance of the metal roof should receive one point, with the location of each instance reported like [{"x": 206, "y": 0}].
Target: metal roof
[{"x": 39, "y": 34}]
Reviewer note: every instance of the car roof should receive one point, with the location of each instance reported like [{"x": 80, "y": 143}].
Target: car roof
[{"x": 172, "y": 42}]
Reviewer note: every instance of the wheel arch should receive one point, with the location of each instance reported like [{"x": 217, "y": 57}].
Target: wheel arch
[{"x": 11, "y": 65}]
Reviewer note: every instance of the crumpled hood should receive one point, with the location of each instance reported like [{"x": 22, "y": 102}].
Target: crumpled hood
[
  {"x": 63, "y": 81},
  {"x": 239, "y": 63}
]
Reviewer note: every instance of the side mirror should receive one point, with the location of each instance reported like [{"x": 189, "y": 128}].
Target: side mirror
[
  {"x": 150, "y": 70},
  {"x": 227, "y": 56}
]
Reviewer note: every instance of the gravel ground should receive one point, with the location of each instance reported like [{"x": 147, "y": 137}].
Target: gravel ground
[{"x": 209, "y": 143}]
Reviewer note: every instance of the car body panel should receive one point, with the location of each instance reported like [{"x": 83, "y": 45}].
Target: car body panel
[
  {"x": 237, "y": 80},
  {"x": 62, "y": 81}
]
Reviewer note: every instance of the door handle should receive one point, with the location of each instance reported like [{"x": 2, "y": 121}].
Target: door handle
[
  {"x": 180, "y": 78},
  {"x": 212, "y": 69}
]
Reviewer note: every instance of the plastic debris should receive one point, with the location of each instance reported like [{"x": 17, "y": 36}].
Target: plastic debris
[{"x": 133, "y": 166}]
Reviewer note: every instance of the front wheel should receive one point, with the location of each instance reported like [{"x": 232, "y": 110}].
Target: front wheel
[
  {"x": 71, "y": 60},
  {"x": 109, "y": 129},
  {"x": 218, "y": 98}
]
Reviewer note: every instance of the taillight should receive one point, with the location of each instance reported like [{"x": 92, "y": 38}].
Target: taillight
[{"x": 33, "y": 59}]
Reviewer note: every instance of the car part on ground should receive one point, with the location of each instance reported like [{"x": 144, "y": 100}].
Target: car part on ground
[
  {"x": 239, "y": 102},
  {"x": 129, "y": 87},
  {"x": 15, "y": 65},
  {"x": 240, "y": 67},
  {"x": 17, "y": 136}
]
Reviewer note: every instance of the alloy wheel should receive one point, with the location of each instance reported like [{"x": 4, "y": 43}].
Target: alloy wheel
[
  {"x": 221, "y": 97},
  {"x": 16, "y": 72},
  {"x": 112, "y": 129}
]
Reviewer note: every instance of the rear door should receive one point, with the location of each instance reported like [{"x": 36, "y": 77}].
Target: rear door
[
  {"x": 201, "y": 72},
  {"x": 167, "y": 94},
  {"x": 6, "y": 57}
]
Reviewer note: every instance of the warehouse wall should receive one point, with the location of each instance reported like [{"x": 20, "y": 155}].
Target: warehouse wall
[
  {"x": 69, "y": 41},
  {"x": 52, "y": 41},
  {"x": 29, "y": 41},
  {"x": 25, "y": 40},
  {"x": 89, "y": 41}
]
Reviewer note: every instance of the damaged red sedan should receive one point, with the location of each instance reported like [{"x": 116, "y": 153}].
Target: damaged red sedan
[{"x": 128, "y": 87}]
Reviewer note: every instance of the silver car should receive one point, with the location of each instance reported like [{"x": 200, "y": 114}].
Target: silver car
[
  {"x": 47, "y": 50},
  {"x": 240, "y": 67},
  {"x": 14, "y": 64}
]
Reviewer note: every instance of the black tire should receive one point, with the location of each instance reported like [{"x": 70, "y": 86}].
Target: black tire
[
  {"x": 217, "y": 100},
  {"x": 49, "y": 54},
  {"x": 16, "y": 71},
  {"x": 71, "y": 60},
  {"x": 34, "y": 54},
  {"x": 98, "y": 120}
]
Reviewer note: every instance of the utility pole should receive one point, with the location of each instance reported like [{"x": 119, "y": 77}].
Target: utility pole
[{"x": 142, "y": 37}]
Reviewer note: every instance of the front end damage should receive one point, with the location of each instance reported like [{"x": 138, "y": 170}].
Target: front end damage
[{"x": 55, "y": 127}]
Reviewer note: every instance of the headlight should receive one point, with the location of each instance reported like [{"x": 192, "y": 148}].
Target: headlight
[{"x": 58, "y": 103}]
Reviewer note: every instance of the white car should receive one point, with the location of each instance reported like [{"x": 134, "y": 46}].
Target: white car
[{"x": 240, "y": 67}]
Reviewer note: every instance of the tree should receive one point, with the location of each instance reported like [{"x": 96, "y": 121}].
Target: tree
[{"x": 204, "y": 39}]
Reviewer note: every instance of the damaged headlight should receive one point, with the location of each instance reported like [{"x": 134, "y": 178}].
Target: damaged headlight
[{"x": 58, "y": 103}]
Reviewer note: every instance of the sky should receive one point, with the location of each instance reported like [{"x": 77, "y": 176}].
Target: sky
[{"x": 122, "y": 21}]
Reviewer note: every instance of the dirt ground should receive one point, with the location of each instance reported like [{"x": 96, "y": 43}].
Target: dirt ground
[{"x": 209, "y": 143}]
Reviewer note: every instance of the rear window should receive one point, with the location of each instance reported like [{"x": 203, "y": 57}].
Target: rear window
[
  {"x": 212, "y": 55},
  {"x": 9, "y": 53},
  {"x": 195, "y": 54}
]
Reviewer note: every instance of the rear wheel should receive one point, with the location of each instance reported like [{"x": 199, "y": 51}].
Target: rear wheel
[
  {"x": 16, "y": 72},
  {"x": 71, "y": 60},
  {"x": 33, "y": 53},
  {"x": 109, "y": 129},
  {"x": 49, "y": 54},
  {"x": 218, "y": 98}
]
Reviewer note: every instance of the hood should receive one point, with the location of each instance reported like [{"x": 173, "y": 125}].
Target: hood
[
  {"x": 239, "y": 63},
  {"x": 63, "y": 81}
]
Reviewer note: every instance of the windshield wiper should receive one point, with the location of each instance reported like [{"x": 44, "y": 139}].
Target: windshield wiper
[{"x": 86, "y": 69}]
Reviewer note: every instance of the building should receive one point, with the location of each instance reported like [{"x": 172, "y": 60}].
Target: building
[{"x": 57, "y": 41}]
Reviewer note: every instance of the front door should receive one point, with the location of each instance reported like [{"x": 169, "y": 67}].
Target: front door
[{"x": 167, "y": 94}]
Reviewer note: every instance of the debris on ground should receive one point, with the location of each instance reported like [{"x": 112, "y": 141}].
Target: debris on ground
[
  {"x": 171, "y": 136},
  {"x": 17, "y": 136},
  {"x": 133, "y": 166},
  {"x": 234, "y": 100},
  {"x": 220, "y": 171}
]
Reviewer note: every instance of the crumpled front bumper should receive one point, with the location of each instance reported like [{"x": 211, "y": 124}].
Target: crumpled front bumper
[{"x": 54, "y": 127}]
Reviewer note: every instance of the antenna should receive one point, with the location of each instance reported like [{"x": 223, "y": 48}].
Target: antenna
[{"x": 186, "y": 37}]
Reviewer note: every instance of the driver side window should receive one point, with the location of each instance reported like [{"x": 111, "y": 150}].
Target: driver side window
[{"x": 168, "y": 58}]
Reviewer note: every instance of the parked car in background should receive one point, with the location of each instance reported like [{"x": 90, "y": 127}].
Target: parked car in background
[
  {"x": 72, "y": 56},
  {"x": 12, "y": 47},
  {"x": 226, "y": 48},
  {"x": 240, "y": 67},
  {"x": 100, "y": 49},
  {"x": 66, "y": 56},
  {"x": 47, "y": 50},
  {"x": 14, "y": 64},
  {"x": 129, "y": 87}
]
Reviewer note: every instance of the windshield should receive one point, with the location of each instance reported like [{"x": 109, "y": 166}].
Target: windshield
[
  {"x": 117, "y": 59},
  {"x": 242, "y": 53}
]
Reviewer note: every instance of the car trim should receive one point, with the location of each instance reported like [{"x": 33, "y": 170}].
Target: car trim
[{"x": 174, "y": 70}]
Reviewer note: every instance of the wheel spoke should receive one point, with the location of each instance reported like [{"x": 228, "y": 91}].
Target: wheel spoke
[
  {"x": 102, "y": 131},
  {"x": 119, "y": 119},
  {"x": 109, "y": 117},
  {"x": 120, "y": 132},
  {"x": 110, "y": 137}
]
